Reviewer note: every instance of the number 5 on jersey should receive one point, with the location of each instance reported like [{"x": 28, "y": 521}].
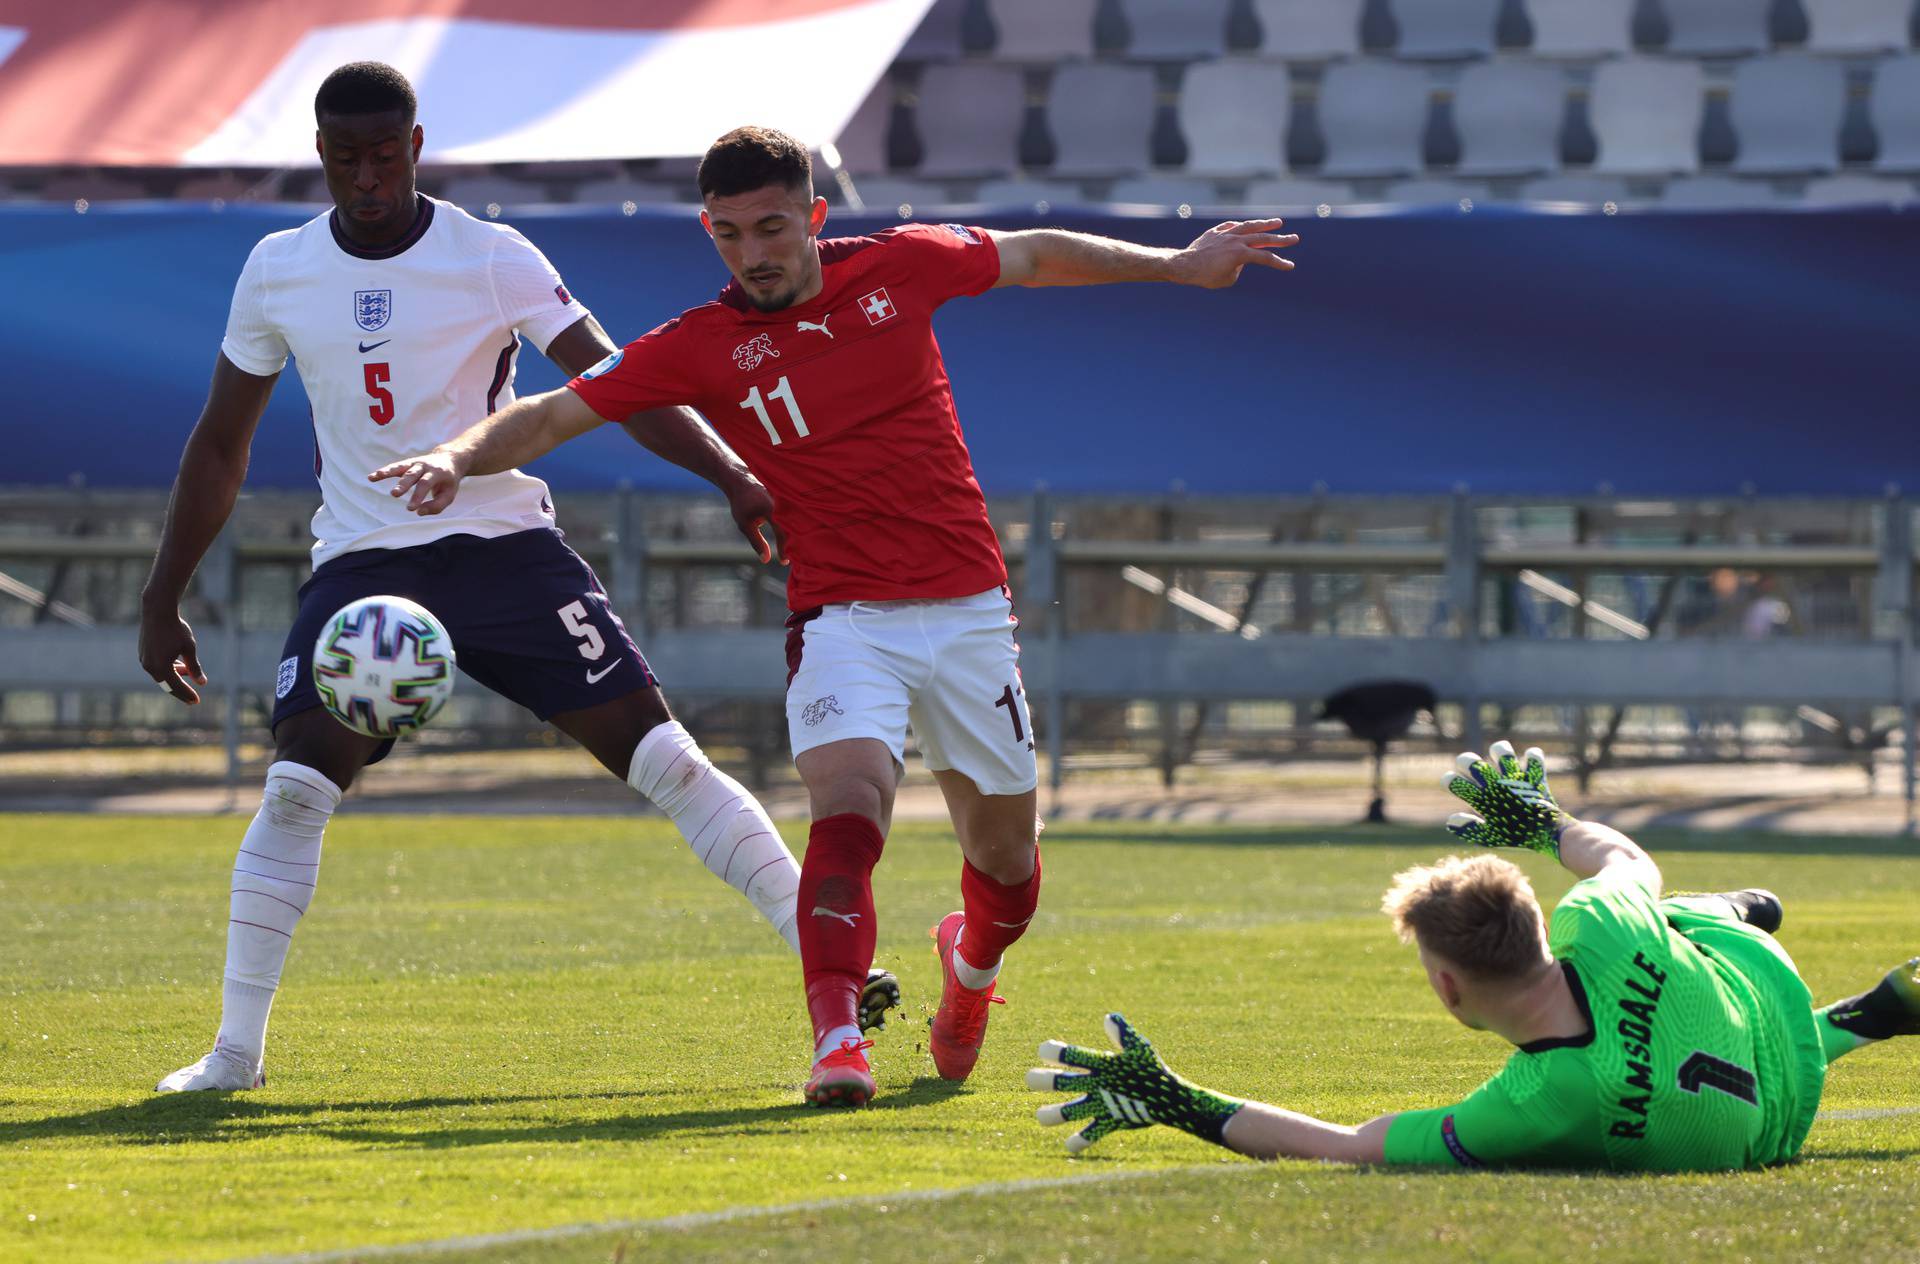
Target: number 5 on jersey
[
  {"x": 381, "y": 410},
  {"x": 784, "y": 393}
]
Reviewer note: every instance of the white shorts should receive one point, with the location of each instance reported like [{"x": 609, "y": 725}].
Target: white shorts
[{"x": 948, "y": 668}]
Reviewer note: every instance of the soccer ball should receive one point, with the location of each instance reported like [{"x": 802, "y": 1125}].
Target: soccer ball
[{"x": 383, "y": 666}]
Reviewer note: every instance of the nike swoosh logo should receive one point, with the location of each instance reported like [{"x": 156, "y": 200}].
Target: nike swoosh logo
[
  {"x": 594, "y": 677},
  {"x": 373, "y": 346}
]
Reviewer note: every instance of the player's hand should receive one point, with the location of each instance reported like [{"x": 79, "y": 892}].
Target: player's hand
[
  {"x": 1129, "y": 1089},
  {"x": 752, "y": 506},
  {"x": 433, "y": 478},
  {"x": 168, "y": 652},
  {"x": 1215, "y": 258},
  {"x": 1512, "y": 805}
]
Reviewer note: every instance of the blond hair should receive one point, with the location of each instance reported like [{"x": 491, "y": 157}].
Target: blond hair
[{"x": 1478, "y": 912}]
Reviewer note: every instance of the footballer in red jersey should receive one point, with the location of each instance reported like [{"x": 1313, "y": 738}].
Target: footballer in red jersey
[{"x": 818, "y": 365}]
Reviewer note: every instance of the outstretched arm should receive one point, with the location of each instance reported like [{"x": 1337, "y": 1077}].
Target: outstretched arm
[
  {"x": 1052, "y": 256},
  {"x": 1514, "y": 807},
  {"x": 675, "y": 435},
  {"x": 520, "y": 432},
  {"x": 1135, "y": 1089}
]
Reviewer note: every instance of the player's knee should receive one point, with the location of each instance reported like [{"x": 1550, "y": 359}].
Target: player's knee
[
  {"x": 298, "y": 799},
  {"x": 857, "y": 793}
]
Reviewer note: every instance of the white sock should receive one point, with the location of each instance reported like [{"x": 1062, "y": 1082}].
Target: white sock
[
  {"x": 274, "y": 876},
  {"x": 724, "y": 824},
  {"x": 971, "y": 976},
  {"x": 833, "y": 1039}
]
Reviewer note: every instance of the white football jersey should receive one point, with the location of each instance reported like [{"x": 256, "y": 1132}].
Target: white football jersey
[{"x": 400, "y": 349}]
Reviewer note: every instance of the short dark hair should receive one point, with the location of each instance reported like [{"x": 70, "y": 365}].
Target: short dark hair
[
  {"x": 749, "y": 158},
  {"x": 365, "y": 87}
]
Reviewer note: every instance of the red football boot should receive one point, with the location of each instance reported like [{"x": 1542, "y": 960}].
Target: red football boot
[
  {"x": 842, "y": 1077},
  {"x": 961, "y": 1023}
]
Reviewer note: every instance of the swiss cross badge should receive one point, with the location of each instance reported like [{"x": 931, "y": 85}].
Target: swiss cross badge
[{"x": 878, "y": 307}]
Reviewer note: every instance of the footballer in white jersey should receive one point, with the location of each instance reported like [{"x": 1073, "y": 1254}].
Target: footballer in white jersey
[
  {"x": 400, "y": 346},
  {"x": 405, "y": 317}
]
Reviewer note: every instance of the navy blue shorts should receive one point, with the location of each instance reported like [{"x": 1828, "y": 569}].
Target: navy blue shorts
[{"x": 527, "y": 615}]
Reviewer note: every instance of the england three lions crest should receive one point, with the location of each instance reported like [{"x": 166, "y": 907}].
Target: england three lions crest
[
  {"x": 750, "y": 353},
  {"x": 372, "y": 309}
]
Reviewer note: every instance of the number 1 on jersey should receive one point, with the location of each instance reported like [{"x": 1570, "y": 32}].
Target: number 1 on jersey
[
  {"x": 381, "y": 410},
  {"x": 784, "y": 393}
]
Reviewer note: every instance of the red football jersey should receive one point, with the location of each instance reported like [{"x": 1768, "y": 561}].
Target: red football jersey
[{"x": 842, "y": 407}]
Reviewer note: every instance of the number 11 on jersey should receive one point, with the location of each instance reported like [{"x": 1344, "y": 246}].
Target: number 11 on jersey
[{"x": 784, "y": 393}]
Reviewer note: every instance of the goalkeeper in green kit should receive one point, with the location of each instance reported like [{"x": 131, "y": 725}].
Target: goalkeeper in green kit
[{"x": 1651, "y": 1034}]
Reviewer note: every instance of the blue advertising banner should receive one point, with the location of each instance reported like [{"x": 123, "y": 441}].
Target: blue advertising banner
[{"x": 1514, "y": 353}]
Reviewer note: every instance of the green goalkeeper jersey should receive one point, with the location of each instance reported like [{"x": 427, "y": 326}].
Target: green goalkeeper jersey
[{"x": 1702, "y": 1051}]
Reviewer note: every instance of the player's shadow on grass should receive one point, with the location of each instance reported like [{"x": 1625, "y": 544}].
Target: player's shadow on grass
[{"x": 217, "y": 1118}]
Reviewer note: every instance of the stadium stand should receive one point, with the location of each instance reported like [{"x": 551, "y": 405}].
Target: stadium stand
[
  {"x": 1101, "y": 117},
  {"x": 1431, "y": 192},
  {"x": 941, "y": 36},
  {"x": 1895, "y": 108},
  {"x": 863, "y": 143},
  {"x": 1587, "y": 190},
  {"x": 1717, "y": 193},
  {"x": 969, "y": 120},
  {"x": 1646, "y": 115},
  {"x": 1060, "y": 30},
  {"x": 1508, "y": 115},
  {"x": 93, "y": 186},
  {"x": 1581, "y": 28},
  {"x": 486, "y": 195},
  {"x": 1234, "y": 116},
  {"x": 1296, "y": 193},
  {"x": 1374, "y": 117},
  {"x": 1309, "y": 30},
  {"x": 218, "y": 186},
  {"x": 1787, "y": 110},
  {"x": 894, "y": 194},
  {"x": 1445, "y": 29},
  {"x": 1166, "y": 191},
  {"x": 1858, "y": 190},
  {"x": 1028, "y": 193},
  {"x": 621, "y": 190}
]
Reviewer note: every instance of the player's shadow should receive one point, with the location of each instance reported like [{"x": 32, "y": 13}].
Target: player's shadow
[{"x": 217, "y": 1118}]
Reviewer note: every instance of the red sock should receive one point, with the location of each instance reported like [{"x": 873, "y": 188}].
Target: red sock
[
  {"x": 997, "y": 914},
  {"x": 836, "y": 918}
]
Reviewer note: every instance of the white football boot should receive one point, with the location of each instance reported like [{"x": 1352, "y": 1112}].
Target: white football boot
[{"x": 225, "y": 1070}]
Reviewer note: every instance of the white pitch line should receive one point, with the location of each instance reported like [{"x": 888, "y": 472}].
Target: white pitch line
[
  {"x": 729, "y": 1215},
  {"x": 1870, "y": 1112}
]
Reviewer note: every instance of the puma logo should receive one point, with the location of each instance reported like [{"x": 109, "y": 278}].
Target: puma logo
[
  {"x": 803, "y": 326},
  {"x": 848, "y": 918}
]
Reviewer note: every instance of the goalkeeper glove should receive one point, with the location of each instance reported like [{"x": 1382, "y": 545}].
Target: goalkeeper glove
[
  {"x": 1512, "y": 806},
  {"x": 1129, "y": 1089}
]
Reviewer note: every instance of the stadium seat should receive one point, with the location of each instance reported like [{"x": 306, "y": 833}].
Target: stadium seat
[
  {"x": 939, "y": 36},
  {"x": 93, "y": 186},
  {"x": 1443, "y": 29},
  {"x": 1587, "y": 190},
  {"x": 1581, "y": 28},
  {"x": 1717, "y": 28},
  {"x": 887, "y": 195},
  {"x": 1309, "y": 30},
  {"x": 1296, "y": 193},
  {"x": 1029, "y": 193},
  {"x": 1895, "y": 107},
  {"x": 1165, "y": 191},
  {"x": 1858, "y": 190},
  {"x": 475, "y": 194},
  {"x": 969, "y": 119},
  {"x": 1234, "y": 115},
  {"x": 1101, "y": 117},
  {"x": 1857, "y": 26},
  {"x": 863, "y": 141},
  {"x": 1701, "y": 193},
  {"x": 1058, "y": 30},
  {"x": 580, "y": 169},
  {"x": 623, "y": 190},
  {"x": 1432, "y": 193},
  {"x": 1374, "y": 117},
  {"x": 1176, "y": 30},
  {"x": 1787, "y": 111},
  {"x": 1508, "y": 115},
  {"x": 1646, "y": 115}
]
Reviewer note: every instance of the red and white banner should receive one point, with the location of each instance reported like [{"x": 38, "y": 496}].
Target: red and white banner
[{"x": 159, "y": 83}]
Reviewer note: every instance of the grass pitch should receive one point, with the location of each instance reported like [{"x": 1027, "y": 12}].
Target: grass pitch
[{"x": 491, "y": 1026}]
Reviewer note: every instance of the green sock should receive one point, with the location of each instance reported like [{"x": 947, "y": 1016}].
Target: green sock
[{"x": 1834, "y": 1038}]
